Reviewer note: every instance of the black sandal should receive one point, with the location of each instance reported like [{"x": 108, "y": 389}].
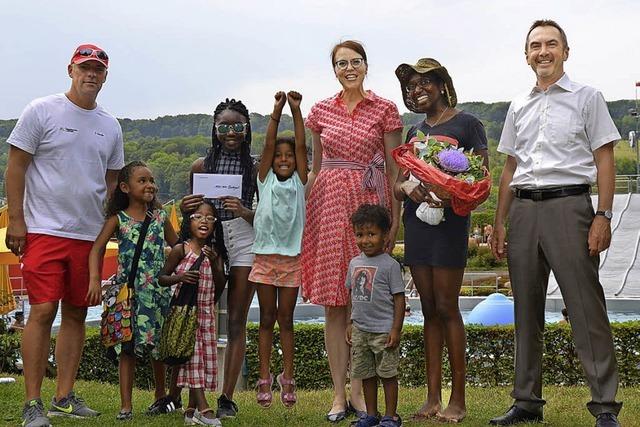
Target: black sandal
[{"x": 124, "y": 416}]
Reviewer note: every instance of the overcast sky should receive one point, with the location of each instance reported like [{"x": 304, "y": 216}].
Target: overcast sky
[{"x": 184, "y": 56}]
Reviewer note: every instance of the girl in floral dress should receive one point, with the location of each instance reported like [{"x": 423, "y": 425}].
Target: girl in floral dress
[{"x": 133, "y": 199}]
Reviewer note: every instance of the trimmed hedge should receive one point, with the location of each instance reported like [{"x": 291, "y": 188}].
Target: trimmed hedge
[{"x": 489, "y": 357}]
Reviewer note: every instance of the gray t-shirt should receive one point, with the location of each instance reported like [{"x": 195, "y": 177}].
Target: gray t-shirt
[{"x": 373, "y": 282}]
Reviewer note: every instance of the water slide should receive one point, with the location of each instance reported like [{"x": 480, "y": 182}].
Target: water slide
[{"x": 619, "y": 265}]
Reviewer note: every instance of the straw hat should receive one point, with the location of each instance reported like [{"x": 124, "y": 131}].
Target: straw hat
[{"x": 423, "y": 66}]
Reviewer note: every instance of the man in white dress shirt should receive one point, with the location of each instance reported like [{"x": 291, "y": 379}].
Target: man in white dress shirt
[{"x": 558, "y": 138}]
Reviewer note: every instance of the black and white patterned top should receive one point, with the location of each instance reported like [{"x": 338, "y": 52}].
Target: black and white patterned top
[{"x": 230, "y": 164}]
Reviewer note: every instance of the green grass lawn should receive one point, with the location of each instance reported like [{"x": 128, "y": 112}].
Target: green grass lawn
[{"x": 565, "y": 407}]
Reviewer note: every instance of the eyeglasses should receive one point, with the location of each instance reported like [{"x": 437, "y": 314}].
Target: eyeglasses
[
  {"x": 100, "y": 54},
  {"x": 236, "y": 127},
  {"x": 423, "y": 82},
  {"x": 355, "y": 63},
  {"x": 200, "y": 217}
]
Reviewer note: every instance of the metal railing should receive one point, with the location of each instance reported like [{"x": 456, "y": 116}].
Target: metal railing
[
  {"x": 471, "y": 277},
  {"x": 624, "y": 184}
]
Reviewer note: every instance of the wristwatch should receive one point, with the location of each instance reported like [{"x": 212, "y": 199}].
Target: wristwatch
[{"x": 607, "y": 214}]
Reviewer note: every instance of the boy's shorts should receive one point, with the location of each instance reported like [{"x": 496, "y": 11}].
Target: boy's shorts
[
  {"x": 278, "y": 270},
  {"x": 56, "y": 268},
  {"x": 370, "y": 358},
  {"x": 238, "y": 239}
]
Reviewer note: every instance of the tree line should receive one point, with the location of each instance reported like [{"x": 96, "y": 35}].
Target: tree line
[{"x": 169, "y": 144}]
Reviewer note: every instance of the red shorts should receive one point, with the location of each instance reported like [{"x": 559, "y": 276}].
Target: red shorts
[{"x": 56, "y": 268}]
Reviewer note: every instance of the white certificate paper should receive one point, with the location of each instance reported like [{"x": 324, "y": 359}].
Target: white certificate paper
[{"x": 214, "y": 185}]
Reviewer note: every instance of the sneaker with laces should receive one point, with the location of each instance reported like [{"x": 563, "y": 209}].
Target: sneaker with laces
[
  {"x": 71, "y": 406},
  {"x": 164, "y": 405},
  {"x": 227, "y": 408},
  {"x": 33, "y": 414}
]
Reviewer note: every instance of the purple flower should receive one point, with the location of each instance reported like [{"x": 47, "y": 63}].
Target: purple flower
[{"x": 452, "y": 160}]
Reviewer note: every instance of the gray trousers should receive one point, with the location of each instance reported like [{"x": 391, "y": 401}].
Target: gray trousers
[{"x": 553, "y": 235}]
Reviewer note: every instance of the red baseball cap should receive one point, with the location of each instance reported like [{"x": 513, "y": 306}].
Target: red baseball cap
[{"x": 90, "y": 52}]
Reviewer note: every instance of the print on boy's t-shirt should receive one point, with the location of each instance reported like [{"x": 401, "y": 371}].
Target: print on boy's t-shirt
[{"x": 363, "y": 278}]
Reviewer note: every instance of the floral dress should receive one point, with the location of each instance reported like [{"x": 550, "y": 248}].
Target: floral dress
[
  {"x": 151, "y": 301},
  {"x": 201, "y": 370},
  {"x": 328, "y": 242}
]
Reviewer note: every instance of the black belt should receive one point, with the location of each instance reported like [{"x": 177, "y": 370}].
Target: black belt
[{"x": 552, "y": 193}]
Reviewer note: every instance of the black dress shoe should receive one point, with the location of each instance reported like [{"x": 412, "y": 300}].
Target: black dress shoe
[
  {"x": 517, "y": 415},
  {"x": 607, "y": 420}
]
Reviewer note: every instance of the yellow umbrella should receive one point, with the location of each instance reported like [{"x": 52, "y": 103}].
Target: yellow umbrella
[{"x": 173, "y": 218}]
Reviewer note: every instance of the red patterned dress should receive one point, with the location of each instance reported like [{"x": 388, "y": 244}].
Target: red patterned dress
[
  {"x": 350, "y": 143},
  {"x": 201, "y": 371}
]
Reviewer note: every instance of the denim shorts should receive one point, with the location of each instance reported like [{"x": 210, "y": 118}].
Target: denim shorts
[{"x": 238, "y": 239}]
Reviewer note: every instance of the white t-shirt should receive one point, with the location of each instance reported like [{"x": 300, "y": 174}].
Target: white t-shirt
[{"x": 72, "y": 149}]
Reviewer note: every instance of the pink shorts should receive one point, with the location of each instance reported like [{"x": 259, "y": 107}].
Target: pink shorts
[
  {"x": 277, "y": 270},
  {"x": 56, "y": 268}
]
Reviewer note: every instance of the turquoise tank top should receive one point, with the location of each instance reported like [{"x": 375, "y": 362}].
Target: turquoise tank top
[{"x": 280, "y": 215}]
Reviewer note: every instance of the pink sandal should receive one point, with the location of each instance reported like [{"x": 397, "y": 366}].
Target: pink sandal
[
  {"x": 264, "y": 398},
  {"x": 287, "y": 399}
]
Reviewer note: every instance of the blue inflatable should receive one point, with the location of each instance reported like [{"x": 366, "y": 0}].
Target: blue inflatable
[{"x": 496, "y": 309}]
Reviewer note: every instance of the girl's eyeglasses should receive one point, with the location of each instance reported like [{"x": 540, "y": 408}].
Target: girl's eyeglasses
[
  {"x": 100, "y": 54},
  {"x": 355, "y": 63},
  {"x": 200, "y": 217},
  {"x": 423, "y": 82},
  {"x": 236, "y": 127}
]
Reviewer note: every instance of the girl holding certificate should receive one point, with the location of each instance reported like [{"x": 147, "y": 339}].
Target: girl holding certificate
[{"x": 230, "y": 154}]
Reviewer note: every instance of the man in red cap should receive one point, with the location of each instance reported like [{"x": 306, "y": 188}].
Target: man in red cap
[{"x": 64, "y": 156}]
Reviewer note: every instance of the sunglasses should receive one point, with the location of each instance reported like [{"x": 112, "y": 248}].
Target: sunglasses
[
  {"x": 200, "y": 217},
  {"x": 86, "y": 51},
  {"x": 235, "y": 127},
  {"x": 355, "y": 63},
  {"x": 423, "y": 82}
]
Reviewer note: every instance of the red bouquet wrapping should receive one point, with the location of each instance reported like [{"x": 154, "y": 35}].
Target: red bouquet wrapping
[{"x": 423, "y": 157}]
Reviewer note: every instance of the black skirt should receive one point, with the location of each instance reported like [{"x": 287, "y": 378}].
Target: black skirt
[{"x": 442, "y": 245}]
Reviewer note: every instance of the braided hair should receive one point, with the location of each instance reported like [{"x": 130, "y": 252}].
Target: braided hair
[
  {"x": 119, "y": 200},
  {"x": 215, "y": 240},
  {"x": 213, "y": 154}
]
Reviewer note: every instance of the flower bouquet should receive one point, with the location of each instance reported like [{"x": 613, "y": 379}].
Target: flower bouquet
[{"x": 447, "y": 171}]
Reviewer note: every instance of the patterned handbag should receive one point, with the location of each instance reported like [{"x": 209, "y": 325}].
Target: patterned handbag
[
  {"x": 178, "y": 338},
  {"x": 116, "y": 325}
]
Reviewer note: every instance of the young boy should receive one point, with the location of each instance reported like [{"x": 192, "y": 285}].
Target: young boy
[{"x": 377, "y": 313}]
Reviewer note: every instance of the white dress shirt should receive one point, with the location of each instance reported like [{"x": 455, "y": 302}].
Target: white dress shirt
[{"x": 552, "y": 135}]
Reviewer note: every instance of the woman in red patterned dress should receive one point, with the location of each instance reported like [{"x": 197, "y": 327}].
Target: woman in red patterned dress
[{"x": 353, "y": 133}]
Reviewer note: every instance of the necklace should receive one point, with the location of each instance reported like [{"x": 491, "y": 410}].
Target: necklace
[{"x": 439, "y": 118}]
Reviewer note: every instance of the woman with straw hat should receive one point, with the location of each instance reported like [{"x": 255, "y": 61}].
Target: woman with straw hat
[{"x": 437, "y": 254}]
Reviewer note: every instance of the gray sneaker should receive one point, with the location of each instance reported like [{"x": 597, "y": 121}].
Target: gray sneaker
[
  {"x": 33, "y": 414},
  {"x": 71, "y": 406},
  {"x": 202, "y": 419}
]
